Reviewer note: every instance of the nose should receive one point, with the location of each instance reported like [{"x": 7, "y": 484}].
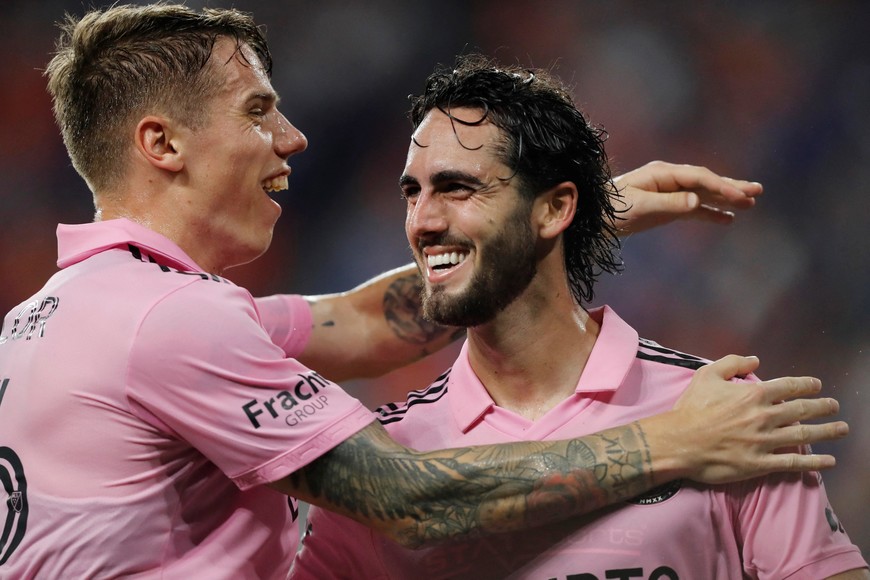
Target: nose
[
  {"x": 288, "y": 139},
  {"x": 425, "y": 216}
]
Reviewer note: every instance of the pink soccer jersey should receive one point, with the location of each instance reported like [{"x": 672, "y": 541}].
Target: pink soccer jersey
[
  {"x": 142, "y": 406},
  {"x": 778, "y": 527}
]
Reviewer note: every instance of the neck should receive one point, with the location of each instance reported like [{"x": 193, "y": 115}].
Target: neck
[
  {"x": 531, "y": 356},
  {"x": 145, "y": 211}
]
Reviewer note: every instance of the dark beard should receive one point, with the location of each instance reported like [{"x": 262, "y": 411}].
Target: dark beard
[{"x": 507, "y": 267}]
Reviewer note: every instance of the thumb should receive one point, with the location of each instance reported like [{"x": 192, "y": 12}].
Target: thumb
[
  {"x": 672, "y": 203},
  {"x": 733, "y": 365},
  {"x": 682, "y": 201}
]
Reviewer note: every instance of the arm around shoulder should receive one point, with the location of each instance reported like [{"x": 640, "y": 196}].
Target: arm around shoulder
[
  {"x": 372, "y": 329},
  {"x": 418, "y": 498},
  {"x": 720, "y": 431}
]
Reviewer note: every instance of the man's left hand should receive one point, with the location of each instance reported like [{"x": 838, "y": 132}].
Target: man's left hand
[{"x": 659, "y": 193}]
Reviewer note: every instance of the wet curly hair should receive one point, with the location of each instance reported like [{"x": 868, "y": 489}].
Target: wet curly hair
[{"x": 546, "y": 141}]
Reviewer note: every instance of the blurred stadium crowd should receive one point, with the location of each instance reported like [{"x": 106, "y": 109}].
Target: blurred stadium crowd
[{"x": 775, "y": 92}]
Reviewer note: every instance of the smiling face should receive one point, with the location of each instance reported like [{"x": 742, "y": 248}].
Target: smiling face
[
  {"x": 233, "y": 161},
  {"x": 468, "y": 227}
]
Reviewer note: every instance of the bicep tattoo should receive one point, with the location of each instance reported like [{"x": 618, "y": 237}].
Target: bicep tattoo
[{"x": 403, "y": 310}]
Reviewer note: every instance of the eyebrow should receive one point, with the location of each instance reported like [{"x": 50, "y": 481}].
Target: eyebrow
[
  {"x": 407, "y": 180},
  {"x": 443, "y": 177},
  {"x": 268, "y": 96}
]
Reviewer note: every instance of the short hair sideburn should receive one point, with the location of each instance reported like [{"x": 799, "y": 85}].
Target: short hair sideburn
[
  {"x": 113, "y": 66},
  {"x": 546, "y": 141}
]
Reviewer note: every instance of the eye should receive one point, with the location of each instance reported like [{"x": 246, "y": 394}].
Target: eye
[
  {"x": 410, "y": 192},
  {"x": 458, "y": 189},
  {"x": 258, "y": 110}
]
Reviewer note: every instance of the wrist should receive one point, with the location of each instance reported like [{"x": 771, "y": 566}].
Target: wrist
[{"x": 671, "y": 454}]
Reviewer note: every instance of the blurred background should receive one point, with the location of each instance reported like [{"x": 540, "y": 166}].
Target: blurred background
[{"x": 771, "y": 91}]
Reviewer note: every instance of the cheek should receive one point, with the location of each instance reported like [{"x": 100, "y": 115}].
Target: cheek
[{"x": 247, "y": 152}]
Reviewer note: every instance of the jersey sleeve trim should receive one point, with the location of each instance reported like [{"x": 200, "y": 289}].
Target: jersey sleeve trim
[
  {"x": 288, "y": 320},
  {"x": 307, "y": 451},
  {"x": 848, "y": 558}
]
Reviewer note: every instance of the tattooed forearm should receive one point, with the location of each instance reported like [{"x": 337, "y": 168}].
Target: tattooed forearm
[
  {"x": 420, "y": 498},
  {"x": 404, "y": 313}
]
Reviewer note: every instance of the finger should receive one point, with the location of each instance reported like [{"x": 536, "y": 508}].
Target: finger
[
  {"x": 709, "y": 213},
  {"x": 713, "y": 189},
  {"x": 731, "y": 366},
  {"x": 673, "y": 203},
  {"x": 734, "y": 189},
  {"x": 726, "y": 198},
  {"x": 673, "y": 177},
  {"x": 646, "y": 209},
  {"x": 749, "y": 188},
  {"x": 785, "y": 388},
  {"x": 803, "y": 434},
  {"x": 707, "y": 183},
  {"x": 804, "y": 410},
  {"x": 794, "y": 462}
]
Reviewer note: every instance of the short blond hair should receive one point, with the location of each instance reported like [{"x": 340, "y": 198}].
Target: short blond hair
[{"x": 113, "y": 66}]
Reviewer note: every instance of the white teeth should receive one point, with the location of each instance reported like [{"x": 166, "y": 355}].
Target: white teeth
[
  {"x": 449, "y": 258},
  {"x": 275, "y": 184}
]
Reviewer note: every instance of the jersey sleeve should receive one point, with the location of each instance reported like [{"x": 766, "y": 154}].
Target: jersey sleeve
[
  {"x": 334, "y": 547},
  {"x": 288, "y": 321},
  {"x": 789, "y": 530},
  {"x": 204, "y": 370}
]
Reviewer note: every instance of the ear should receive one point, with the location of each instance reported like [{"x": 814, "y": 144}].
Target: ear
[
  {"x": 156, "y": 142},
  {"x": 553, "y": 211}
]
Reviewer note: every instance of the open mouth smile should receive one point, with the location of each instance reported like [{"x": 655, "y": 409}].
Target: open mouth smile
[
  {"x": 446, "y": 260},
  {"x": 443, "y": 264},
  {"x": 273, "y": 184}
]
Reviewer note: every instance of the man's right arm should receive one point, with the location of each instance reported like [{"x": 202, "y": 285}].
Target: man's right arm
[{"x": 717, "y": 432}]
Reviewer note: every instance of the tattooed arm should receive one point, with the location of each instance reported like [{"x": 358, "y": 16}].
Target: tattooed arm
[
  {"x": 713, "y": 435},
  {"x": 372, "y": 329}
]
